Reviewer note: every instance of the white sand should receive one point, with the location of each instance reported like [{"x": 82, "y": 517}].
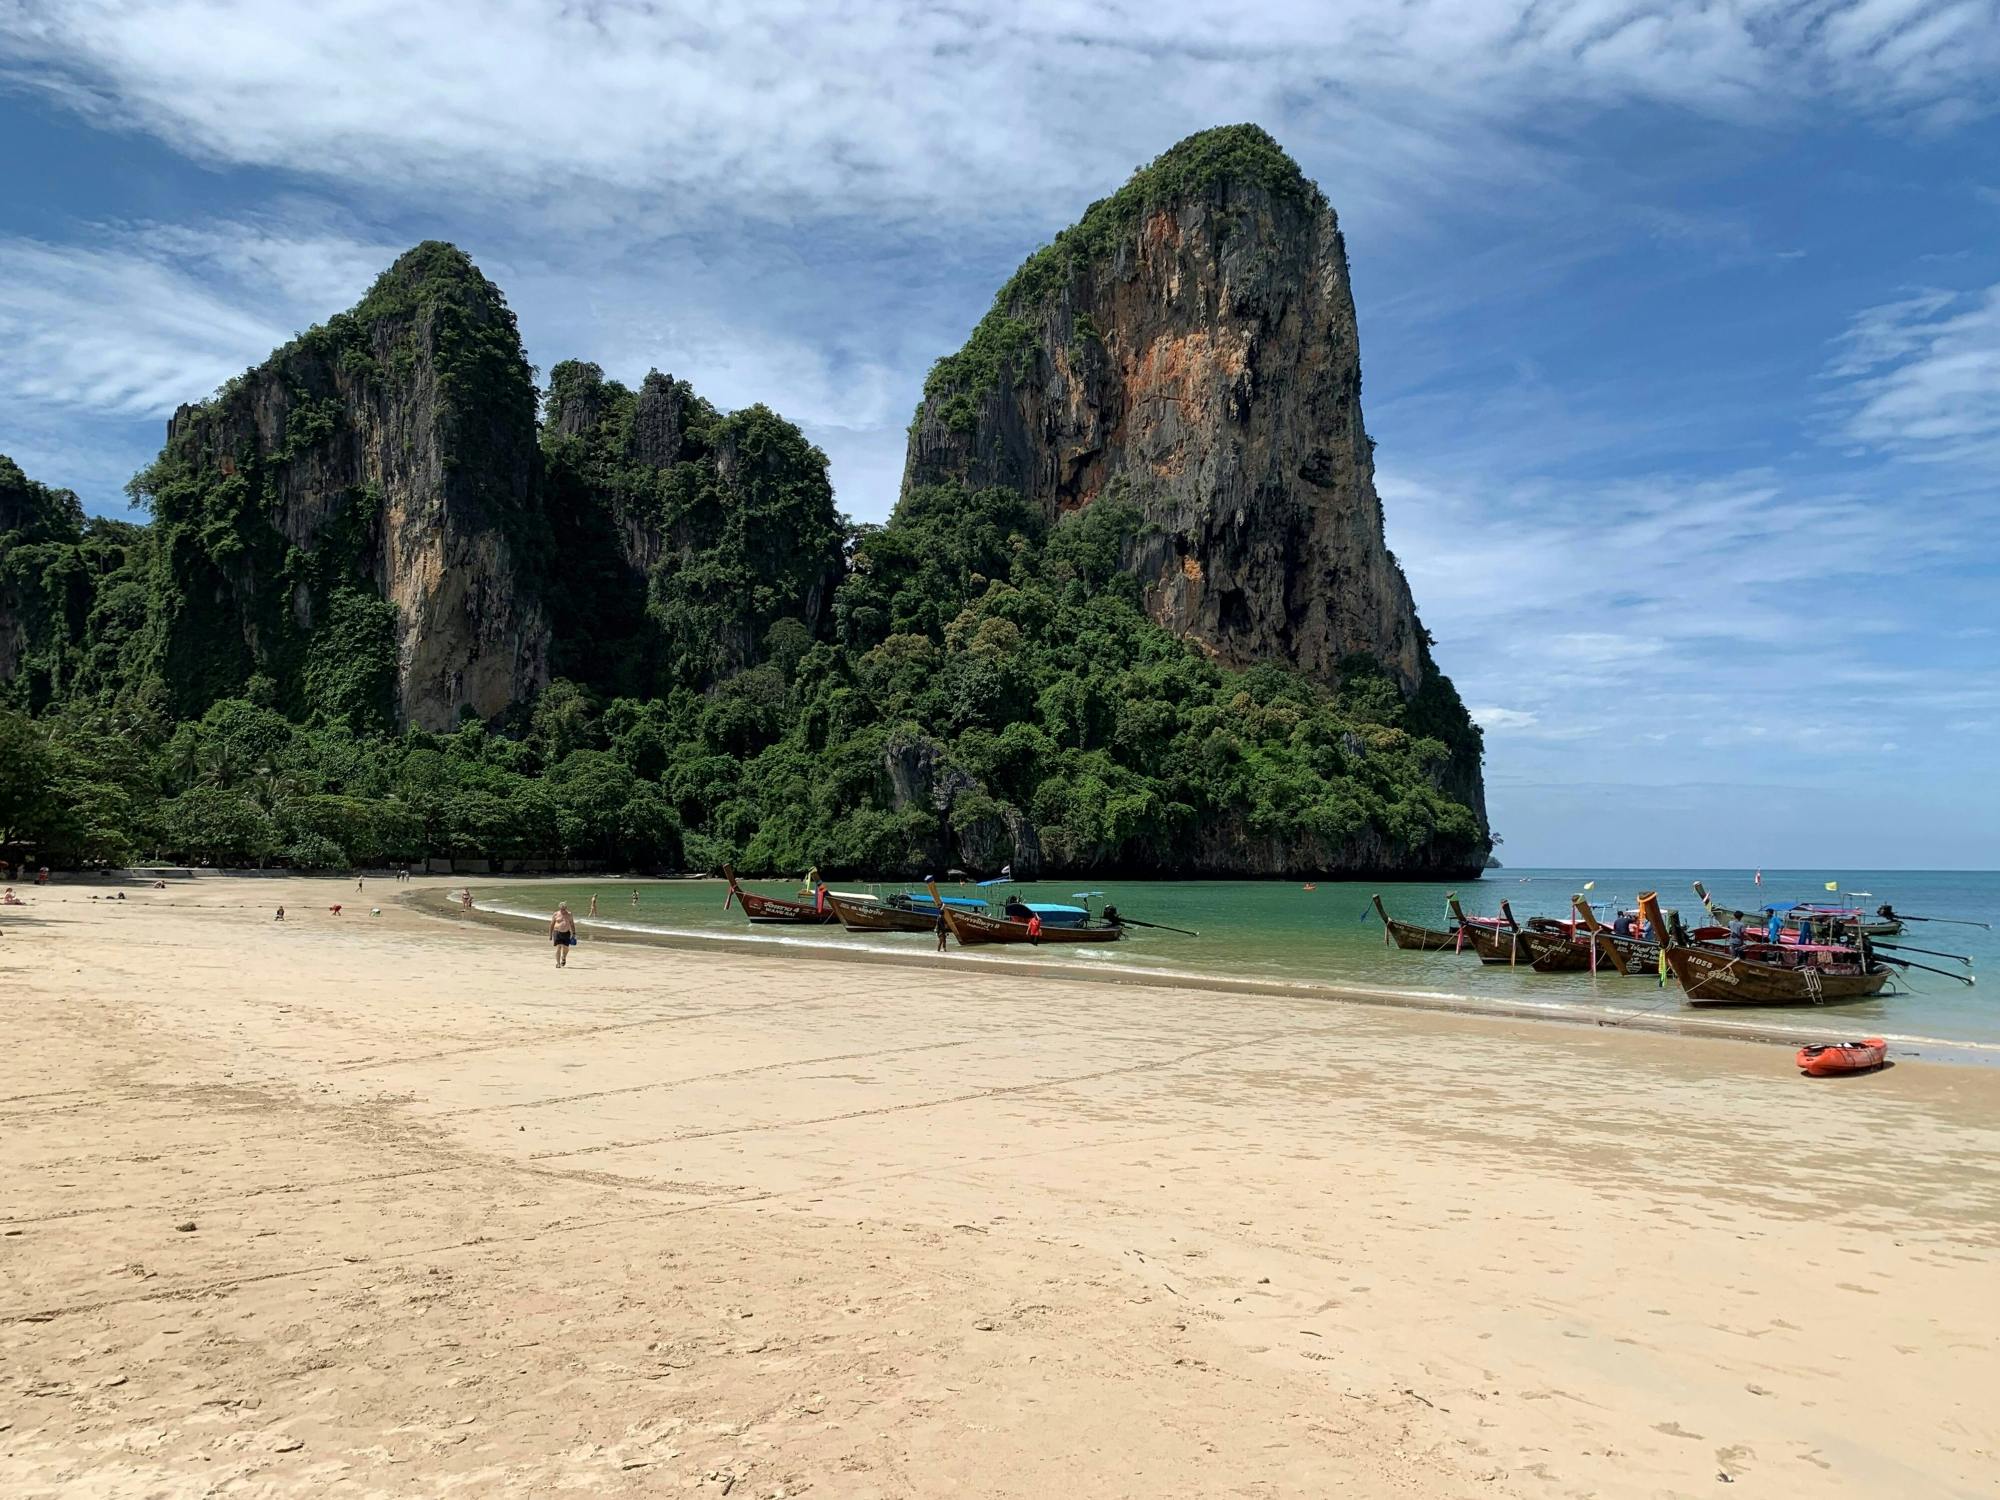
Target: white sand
[{"x": 675, "y": 1222}]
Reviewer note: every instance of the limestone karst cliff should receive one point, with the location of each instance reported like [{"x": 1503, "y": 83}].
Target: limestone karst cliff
[
  {"x": 353, "y": 518},
  {"x": 1189, "y": 347}
]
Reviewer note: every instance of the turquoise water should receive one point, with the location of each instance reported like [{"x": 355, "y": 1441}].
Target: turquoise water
[{"x": 1281, "y": 931}]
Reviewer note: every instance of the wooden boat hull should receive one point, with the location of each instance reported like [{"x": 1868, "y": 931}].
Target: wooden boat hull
[
  {"x": 1492, "y": 939},
  {"x": 877, "y": 916},
  {"x": 1495, "y": 945},
  {"x": 1711, "y": 976},
  {"x": 1418, "y": 939},
  {"x": 1869, "y": 926},
  {"x": 1555, "y": 952},
  {"x": 775, "y": 910},
  {"x": 1835, "y": 1058},
  {"x": 971, "y": 929}
]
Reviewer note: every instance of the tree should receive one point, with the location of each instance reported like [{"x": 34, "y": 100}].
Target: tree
[{"x": 27, "y": 784}]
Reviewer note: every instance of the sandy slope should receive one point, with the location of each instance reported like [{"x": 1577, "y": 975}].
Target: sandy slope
[{"x": 692, "y": 1222}]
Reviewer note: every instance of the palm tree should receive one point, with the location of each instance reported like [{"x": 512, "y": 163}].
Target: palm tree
[{"x": 220, "y": 765}]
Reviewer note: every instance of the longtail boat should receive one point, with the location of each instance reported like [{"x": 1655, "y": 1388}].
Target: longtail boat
[
  {"x": 776, "y": 909},
  {"x": 1634, "y": 955},
  {"x": 1497, "y": 940},
  {"x": 902, "y": 913},
  {"x": 971, "y": 927},
  {"x": 1803, "y": 919},
  {"x": 1569, "y": 949},
  {"x": 870, "y": 915},
  {"x": 1770, "y": 973},
  {"x": 1536, "y": 924},
  {"x": 1410, "y": 935}
]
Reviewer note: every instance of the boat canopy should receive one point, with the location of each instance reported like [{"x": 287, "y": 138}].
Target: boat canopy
[
  {"x": 923, "y": 899},
  {"x": 1046, "y": 909}
]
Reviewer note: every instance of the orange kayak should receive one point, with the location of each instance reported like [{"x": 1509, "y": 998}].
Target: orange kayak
[{"x": 1843, "y": 1057}]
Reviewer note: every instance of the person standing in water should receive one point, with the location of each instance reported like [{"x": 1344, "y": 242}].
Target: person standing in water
[
  {"x": 943, "y": 929},
  {"x": 593, "y": 906},
  {"x": 562, "y": 933},
  {"x": 635, "y": 898}
]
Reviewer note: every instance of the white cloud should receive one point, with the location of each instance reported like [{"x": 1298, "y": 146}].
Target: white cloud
[
  {"x": 782, "y": 109},
  {"x": 151, "y": 316},
  {"x": 1496, "y": 719},
  {"x": 1923, "y": 377}
]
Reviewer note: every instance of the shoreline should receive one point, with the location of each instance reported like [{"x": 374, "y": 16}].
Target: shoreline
[{"x": 1768, "y": 1027}]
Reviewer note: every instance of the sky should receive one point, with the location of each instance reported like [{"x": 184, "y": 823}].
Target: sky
[{"x": 1680, "y": 326}]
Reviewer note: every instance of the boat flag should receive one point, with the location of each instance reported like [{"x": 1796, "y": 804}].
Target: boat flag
[
  {"x": 1590, "y": 885},
  {"x": 1833, "y": 885}
]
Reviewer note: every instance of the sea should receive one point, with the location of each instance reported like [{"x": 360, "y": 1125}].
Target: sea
[{"x": 1327, "y": 933}]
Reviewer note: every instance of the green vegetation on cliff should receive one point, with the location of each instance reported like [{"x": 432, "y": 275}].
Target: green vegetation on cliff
[{"x": 1000, "y": 668}]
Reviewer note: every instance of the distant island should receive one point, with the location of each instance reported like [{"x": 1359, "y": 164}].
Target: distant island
[{"x": 1133, "y": 611}]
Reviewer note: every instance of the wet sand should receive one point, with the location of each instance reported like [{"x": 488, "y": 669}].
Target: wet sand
[{"x": 714, "y": 1222}]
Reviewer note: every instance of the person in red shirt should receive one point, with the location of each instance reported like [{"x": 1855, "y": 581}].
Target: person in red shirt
[{"x": 1035, "y": 928}]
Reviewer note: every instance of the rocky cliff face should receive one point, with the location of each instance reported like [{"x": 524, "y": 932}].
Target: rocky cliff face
[
  {"x": 38, "y": 527},
  {"x": 391, "y": 451},
  {"x": 698, "y": 530},
  {"x": 1190, "y": 346}
]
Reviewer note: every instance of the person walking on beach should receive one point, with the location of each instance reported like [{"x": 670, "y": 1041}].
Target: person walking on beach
[
  {"x": 562, "y": 933},
  {"x": 593, "y": 906},
  {"x": 943, "y": 929}
]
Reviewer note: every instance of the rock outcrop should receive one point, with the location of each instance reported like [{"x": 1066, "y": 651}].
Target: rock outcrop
[
  {"x": 695, "y": 531},
  {"x": 1190, "y": 346},
  {"x": 392, "y": 451},
  {"x": 36, "y": 588}
]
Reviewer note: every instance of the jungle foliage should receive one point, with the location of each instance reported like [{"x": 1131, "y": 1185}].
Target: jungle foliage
[{"x": 738, "y": 672}]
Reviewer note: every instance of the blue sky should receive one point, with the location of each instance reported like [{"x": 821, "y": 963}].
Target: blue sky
[{"x": 1680, "y": 327}]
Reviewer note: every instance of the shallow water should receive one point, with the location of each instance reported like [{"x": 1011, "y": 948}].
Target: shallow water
[{"x": 1267, "y": 930}]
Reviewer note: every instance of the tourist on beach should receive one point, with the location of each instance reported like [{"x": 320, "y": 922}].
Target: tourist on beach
[
  {"x": 593, "y": 906},
  {"x": 943, "y": 929},
  {"x": 562, "y": 932},
  {"x": 357, "y": 885},
  {"x": 278, "y": 915},
  {"x": 465, "y": 899},
  {"x": 635, "y": 898},
  {"x": 1034, "y": 927},
  {"x": 10, "y": 899}
]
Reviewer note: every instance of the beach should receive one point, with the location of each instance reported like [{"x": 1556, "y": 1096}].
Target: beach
[{"x": 356, "y": 1205}]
